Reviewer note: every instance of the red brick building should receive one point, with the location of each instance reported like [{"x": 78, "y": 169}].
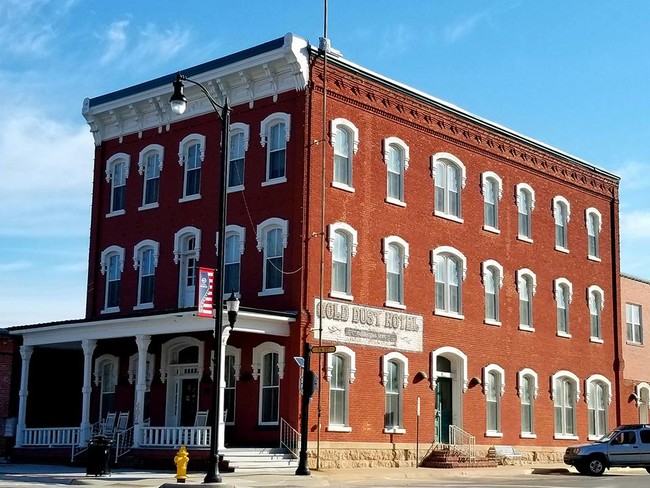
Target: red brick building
[
  {"x": 8, "y": 378},
  {"x": 465, "y": 271}
]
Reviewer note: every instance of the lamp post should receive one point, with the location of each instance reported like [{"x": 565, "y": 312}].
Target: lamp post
[{"x": 178, "y": 104}]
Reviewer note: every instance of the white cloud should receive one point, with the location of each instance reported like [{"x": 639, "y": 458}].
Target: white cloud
[
  {"x": 14, "y": 266},
  {"x": 635, "y": 225},
  {"x": 634, "y": 176},
  {"x": 463, "y": 28},
  {"x": 396, "y": 40},
  {"x": 116, "y": 39}
]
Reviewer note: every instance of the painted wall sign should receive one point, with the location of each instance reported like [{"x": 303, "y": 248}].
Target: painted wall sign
[{"x": 370, "y": 326}]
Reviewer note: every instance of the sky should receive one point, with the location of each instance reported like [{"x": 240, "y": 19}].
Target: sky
[{"x": 573, "y": 75}]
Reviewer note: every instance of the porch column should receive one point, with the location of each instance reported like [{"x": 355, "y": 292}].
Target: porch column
[
  {"x": 222, "y": 384},
  {"x": 143, "y": 342},
  {"x": 25, "y": 354},
  {"x": 88, "y": 346}
]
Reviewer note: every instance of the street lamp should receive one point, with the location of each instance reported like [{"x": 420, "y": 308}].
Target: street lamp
[{"x": 178, "y": 104}]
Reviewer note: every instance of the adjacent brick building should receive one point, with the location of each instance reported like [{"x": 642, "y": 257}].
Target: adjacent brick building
[{"x": 463, "y": 271}]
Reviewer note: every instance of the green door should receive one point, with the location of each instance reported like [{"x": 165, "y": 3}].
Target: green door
[{"x": 443, "y": 410}]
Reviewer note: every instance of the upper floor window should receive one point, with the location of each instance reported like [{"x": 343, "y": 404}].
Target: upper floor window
[
  {"x": 596, "y": 301},
  {"x": 112, "y": 266},
  {"x": 239, "y": 137},
  {"x": 566, "y": 392},
  {"x": 563, "y": 297},
  {"x": 187, "y": 248},
  {"x": 527, "y": 390},
  {"x": 395, "y": 379},
  {"x": 561, "y": 215},
  {"x": 145, "y": 259},
  {"x": 272, "y": 238},
  {"x": 526, "y": 286},
  {"x": 492, "y": 187},
  {"x": 275, "y": 131},
  {"x": 492, "y": 273},
  {"x": 525, "y": 206},
  {"x": 450, "y": 268},
  {"x": 117, "y": 171},
  {"x": 599, "y": 396},
  {"x": 191, "y": 155},
  {"x": 345, "y": 140},
  {"x": 450, "y": 176},
  {"x": 235, "y": 239},
  {"x": 396, "y": 257},
  {"x": 150, "y": 165},
  {"x": 633, "y": 324},
  {"x": 494, "y": 388},
  {"x": 594, "y": 223},
  {"x": 340, "y": 374},
  {"x": 342, "y": 240},
  {"x": 396, "y": 158}
]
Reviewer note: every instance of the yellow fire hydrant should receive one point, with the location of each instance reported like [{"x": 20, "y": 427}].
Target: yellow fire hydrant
[{"x": 181, "y": 459}]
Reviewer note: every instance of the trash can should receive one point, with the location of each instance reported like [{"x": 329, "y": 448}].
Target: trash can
[{"x": 98, "y": 462}]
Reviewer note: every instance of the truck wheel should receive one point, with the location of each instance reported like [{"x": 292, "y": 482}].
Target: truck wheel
[{"x": 596, "y": 466}]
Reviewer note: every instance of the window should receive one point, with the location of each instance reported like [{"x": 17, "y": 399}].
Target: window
[
  {"x": 235, "y": 239},
  {"x": 566, "y": 392},
  {"x": 106, "y": 368},
  {"x": 633, "y": 323},
  {"x": 117, "y": 171},
  {"x": 449, "y": 268},
  {"x": 527, "y": 389},
  {"x": 561, "y": 215},
  {"x": 396, "y": 257},
  {"x": 274, "y": 132},
  {"x": 526, "y": 286},
  {"x": 643, "y": 401},
  {"x": 492, "y": 187},
  {"x": 231, "y": 376},
  {"x": 598, "y": 398},
  {"x": 344, "y": 137},
  {"x": 396, "y": 158},
  {"x": 594, "y": 223},
  {"x": 525, "y": 206},
  {"x": 268, "y": 366},
  {"x": 272, "y": 235},
  {"x": 340, "y": 373},
  {"x": 191, "y": 155},
  {"x": 596, "y": 301},
  {"x": 187, "y": 248},
  {"x": 394, "y": 379},
  {"x": 449, "y": 174},
  {"x": 239, "y": 136},
  {"x": 563, "y": 296},
  {"x": 342, "y": 242},
  {"x": 112, "y": 265},
  {"x": 493, "y": 388},
  {"x": 145, "y": 258},
  {"x": 492, "y": 273},
  {"x": 149, "y": 165}
]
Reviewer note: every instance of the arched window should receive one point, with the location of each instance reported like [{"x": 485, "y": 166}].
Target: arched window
[
  {"x": 112, "y": 266},
  {"x": 525, "y": 204},
  {"x": 106, "y": 372},
  {"x": 268, "y": 366},
  {"x": 239, "y": 137},
  {"x": 599, "y": 396},
  {"x": 561, "y": 215},
  {"x": 340, "y": 374},
  {"x": 187, "y": 248},
  {"x": 191, "y": 155},
  {"x": 563, "y": 297},
  {"x": 396, "y": 257},
  {"x": 231, "y": 376},
  {"x": 527, "y": 388},
  {"x": 150, "y": 165},
  {"x": 493, "y": 388},
  {"x": 450, "y": 268},
  {"x": 117, "y": 171},
  {"x": 395, "y": 379},
  {"x": 272, "y": 236},
  {"x": 344, "y": 137},
  {"x": 594, "y": 222},
  {"x": 566, "y": 392},
  {"x": 526, "y": 286},
  {"x": 235, "y": 239},
  {"x": 396, "y": 158},
  {"x": 145, "y": 259},
  {"x": 450, "y": 176},
  {"x": 492, "y": 187},
  {"x": 596, "y": 302},
  {"x": 492, "y": 273},
  {"x": 342, "y": 241},
  {"x": 275, "y": 131},
  {"x": 643, "y": 401}
]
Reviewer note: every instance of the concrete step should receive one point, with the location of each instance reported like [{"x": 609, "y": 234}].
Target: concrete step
[{"x": 260, "y": 458}]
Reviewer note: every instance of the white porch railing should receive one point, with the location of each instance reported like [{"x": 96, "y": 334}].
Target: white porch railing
[
  {"x": 289, "y": 438},
  {"x": 462, "y": 442},
  {"x": 51, "y": 437},
  {"x": 175, "y": 436}
]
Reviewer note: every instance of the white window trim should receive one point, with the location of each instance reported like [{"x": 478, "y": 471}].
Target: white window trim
[
  {"x": 170, "y": 349},
  {"x": 518, "y": 189},
  {"x": 450, "y": 158},
  {"x": 637, "y": 390},
  {"x": 262, "y": 230},
  {"x": 556, "y": 288},
  {"x": 265, "y": 126},
  {"x": 520, "y": 274},
  {"x": 354, "y": 133},
  {"x": 178, "y": 239},
  {"x": 396, "y": 141},
  {"x": 590, "y": 291},
  {"x": 230, "y": 351},
  {"x": 106, "y": 253},
  {"x": 352, "y": 234},
  {"x": 236, "y": 128},
  {"x": 149, "y": 372},
  {"x": 597, "y": 378},
  {"x": 459, "y": 255},
  {"x": 576, "y": 381},
  {"x": 260, "y": 351},
  {"x": 397, "y": 356},
  {"x": 110, "y": 163},
  {"x": 485, "y": 266},
  {"x": 99, "y": 363},
  {"x": 232, "y": 229},
  {"x": 502, "y": 389},
  {"x": 142, "y": 161},
  {"x": 556, "y": 218},
  {"x": 520, "y": 377},
  {"x": 485, "y": 177},
  {"x": 460, "y": 359},
  {"x": 183, "y": 147},
  {"x": 385, "y": 243},
  {"x": 141, "y": 246},
  {"x": 352, "y": 361},
  {"x": 588, "y": 212}
]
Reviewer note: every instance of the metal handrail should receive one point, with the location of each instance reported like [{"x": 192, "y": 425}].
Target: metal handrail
[
  {"x": 462, "y": 442},
  {"x": 289, "y": 438},
  {"x": 123, "y": 442}
]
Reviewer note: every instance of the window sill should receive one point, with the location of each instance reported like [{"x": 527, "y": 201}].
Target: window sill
[
  {"x": 394, "y": 430},
  {"x": 395, "y": 201},
  {"x": 447, "y": 216},
  {"x": 110, "y": 310},
  {"x": 115, "y": 214},
  {"x": 341, "y": 295},
  {"x": 190, "y": 198},
  {"x": 594, "y": 258},
  {"x": 233, "y": 189},
  {"x": 343, "y": 186},
  {"x": 562, "y": 249},
  {"x": 526, "y": 328},
  {"x": 274, "y": 181},
  {"x": 451, "y": 315},
  {"x": 566, "y": 437},
  {"x": 495, "y": 323},
  {"x": 149, "y": 206},
  {"x": 489, "y": 228},
  {"x": 267, "y": 293},
  {"x": 338, "y": 428},
  {"x": 527, "y": 436},
  {"x": 143, "y": 306},
  {"x": 397, "y": 305},
  {"x": 493, "y": 434},
  {"x": 596, "y": 340},
  {"x": 565, "y": 335},
  {"x": 634, "y": 343},
  {"x": 524, "y": 239}
]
